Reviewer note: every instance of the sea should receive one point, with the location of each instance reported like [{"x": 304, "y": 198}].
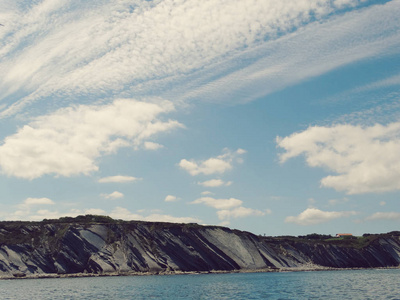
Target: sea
[{"x": 349, "y": 284}]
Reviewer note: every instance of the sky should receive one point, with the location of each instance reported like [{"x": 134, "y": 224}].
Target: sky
[{"x": 274, "y": 117}]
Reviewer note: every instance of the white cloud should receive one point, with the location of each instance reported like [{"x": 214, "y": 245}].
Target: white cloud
[
  {"x": 241, "y": 151},
  {"x": 218, "y": 203},
  {"x": 366, "y": 159},
  {"x": 170, "y": 198},
  {"x": 118, "y": 179},
  {"x": 68, "y": 141},
  {"x": 395, "y": 216},
  {"x": 125, "y": 214},
  {"x": 312, "y": 216},
  {"x": 209, "y": 166},
  {"x": 387, "y": 82},
  {"x": 171, "y": 219},
  {"x": 215, "y": 183},
  {"x": 206, "y": 193},
  {"x": 382, "y": 203},
  {"x": 152, "y": 146},
  {"x": 316, "y": 49},
  {"x": 38, "y": 201},
  {"x": 230, "y": 208},
  {"x": 114, "y": 195},
  {"x": 114, "y": 45},
  {"x": 28, "y": 203},
  {"x": 213, "y": 165},
  {"x": 239, "y": 212}
]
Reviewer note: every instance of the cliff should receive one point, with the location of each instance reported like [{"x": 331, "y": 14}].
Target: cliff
[{"x": 99, "y": 245}]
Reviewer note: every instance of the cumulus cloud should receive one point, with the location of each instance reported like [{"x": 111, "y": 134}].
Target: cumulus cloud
[
  {"x": 125, "y": 214},
  {"x": 170, "y": 198},
  {"x": 394, "y": 216},
  {"x": 68, "y": 141},
  {"x": 365, "y": 159},
  {"x": 213, "y": 165},
  {"x": 118, "y": 179},
  {"x": 114, "y": 195},
  {"x": 215, "y": 183},
  {"x": 218, "y": 203},
  {"x": 312, "y": 216}
]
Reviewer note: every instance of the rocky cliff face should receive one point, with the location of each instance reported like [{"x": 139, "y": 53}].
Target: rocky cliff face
[{"x": 90, "y": 246}]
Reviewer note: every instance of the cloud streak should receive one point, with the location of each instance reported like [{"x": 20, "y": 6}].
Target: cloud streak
[
  {"x": 66, "y": 51},
  {"x": 312, "y": 216},
  {"x": 218, "y": 203},
  {"x": 378, "y": 216},
  {"x": 215, "y": 183},
  {"x": 118, "y": 179}
]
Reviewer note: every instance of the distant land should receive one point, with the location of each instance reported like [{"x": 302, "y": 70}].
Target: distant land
[{"x": 97, "y": 245}]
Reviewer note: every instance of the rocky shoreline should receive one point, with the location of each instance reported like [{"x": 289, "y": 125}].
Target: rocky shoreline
[
  {"x": 169, "y": 273},
  {"x": 97, "y": 246}
]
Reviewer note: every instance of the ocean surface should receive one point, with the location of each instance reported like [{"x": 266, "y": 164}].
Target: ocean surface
[{"x": 354, "y": 284}]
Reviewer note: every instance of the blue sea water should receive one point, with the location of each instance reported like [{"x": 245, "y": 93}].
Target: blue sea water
[{"x": 354, "y": 284}]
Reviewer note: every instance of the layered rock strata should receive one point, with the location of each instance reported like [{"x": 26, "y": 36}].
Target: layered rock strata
[{"x": 92, "y": 247}]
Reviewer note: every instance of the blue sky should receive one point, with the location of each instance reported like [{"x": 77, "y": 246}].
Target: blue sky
[{"x": 275, "y": 117}]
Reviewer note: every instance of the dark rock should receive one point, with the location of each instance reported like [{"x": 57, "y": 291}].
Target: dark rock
[{"x": 100, "y": 245}]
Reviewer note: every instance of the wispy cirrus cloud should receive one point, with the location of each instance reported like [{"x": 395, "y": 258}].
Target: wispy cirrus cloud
[
  {"x": 317, "y": 49},
  {"x": 67, "y": 50},
  {"x": 79, "y": 135}
]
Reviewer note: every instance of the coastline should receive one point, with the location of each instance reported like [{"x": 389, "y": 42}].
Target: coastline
[{"x": 164, "y": 273}]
